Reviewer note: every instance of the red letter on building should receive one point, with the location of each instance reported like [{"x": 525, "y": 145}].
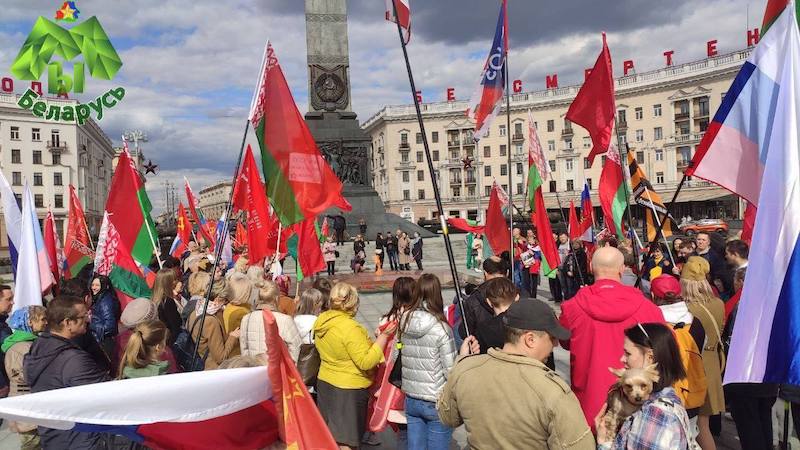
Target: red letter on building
[
  {"x": 451, "y": 94},
  {"x": 711, "y": 48},
  {"x": 668, "y": 54},
  {"x": 419, "y": 96},
  {"x": 626, "y": 66},
  {"x": 551, "y": 81},
  {"x": 586, "y": 73},
  {"x": 752, "y": 37},
  {"x": 7, "y": 85},
  {"x": 516, "y": 86},
  {"x": 36, "y": 86}
]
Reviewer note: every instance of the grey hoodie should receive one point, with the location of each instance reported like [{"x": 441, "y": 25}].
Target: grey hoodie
[{"x": 428, "y": 354}]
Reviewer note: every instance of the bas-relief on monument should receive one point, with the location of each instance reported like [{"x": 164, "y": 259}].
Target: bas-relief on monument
[{"x": 333, "y": 123}]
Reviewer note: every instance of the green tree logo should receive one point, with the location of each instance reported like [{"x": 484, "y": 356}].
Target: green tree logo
[{"x": 48, "y": 38}]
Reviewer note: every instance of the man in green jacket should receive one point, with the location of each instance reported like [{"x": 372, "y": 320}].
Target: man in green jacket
[{"x": 508, "y": 398}]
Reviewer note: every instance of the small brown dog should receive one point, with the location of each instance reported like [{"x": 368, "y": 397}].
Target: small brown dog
[{"x": 626, "y": 396}]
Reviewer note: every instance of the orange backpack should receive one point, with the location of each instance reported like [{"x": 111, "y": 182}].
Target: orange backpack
[{"x": 692, "y": 389}]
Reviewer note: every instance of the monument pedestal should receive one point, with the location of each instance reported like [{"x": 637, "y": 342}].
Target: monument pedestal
[{"x": 344, "y": 145}]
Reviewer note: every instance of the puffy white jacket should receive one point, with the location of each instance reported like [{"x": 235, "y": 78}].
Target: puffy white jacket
[
  {"x": 429, "y": 352},
  {"x": 252, "y": 342}
]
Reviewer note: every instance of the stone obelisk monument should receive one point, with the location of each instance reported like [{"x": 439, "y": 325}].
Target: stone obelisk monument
[{"x": 333, "y": 123}]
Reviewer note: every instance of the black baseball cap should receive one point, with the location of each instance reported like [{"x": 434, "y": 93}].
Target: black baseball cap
[{"x": 535, "y": 315}]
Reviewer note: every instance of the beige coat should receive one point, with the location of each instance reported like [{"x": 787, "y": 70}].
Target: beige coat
[
  {"x": 715, "y": 398},
  {"x": 16, "y": 377},
  {"x": 538, "y": 408},
  {"x": 213, "y": 339},
  {"x": 404, "y": 243}
]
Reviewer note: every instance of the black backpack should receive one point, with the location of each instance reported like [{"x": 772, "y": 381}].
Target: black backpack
[{"x": 183, "y": 348}]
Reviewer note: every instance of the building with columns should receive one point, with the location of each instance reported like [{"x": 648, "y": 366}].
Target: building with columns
[
  {"x": 213, "y": 199},
  {"x": 661, "y": 114},
  {"x": 50, "y": 156}
]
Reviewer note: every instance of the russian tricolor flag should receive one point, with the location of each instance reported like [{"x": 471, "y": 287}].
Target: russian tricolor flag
[
  {"x": 486, "y": 99},
  {"x": 753, "y": 149},
  {"x": 215, "y": 409}
]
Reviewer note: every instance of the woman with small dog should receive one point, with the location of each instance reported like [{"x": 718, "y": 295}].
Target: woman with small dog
[{"x": 660, "y": 422}]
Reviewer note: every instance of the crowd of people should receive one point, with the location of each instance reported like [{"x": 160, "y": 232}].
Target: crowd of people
[
  {"x": 398, "y": 248},
  {"x": 431, "y": 365}
]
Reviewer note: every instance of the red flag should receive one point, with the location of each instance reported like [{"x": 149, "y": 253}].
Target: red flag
[
  {"x": 574, "y": 225},
  {"x": 496, "y": 227},
  {"x": 183, "y": 232},
  {"x": 544, "y": 231},
  {"x": 301, "y": 424},
  {"x": 249, "y": 195},
  {"x": 77, "y": 244},
  {"x": 403, "y": 16},
  {"x": 594, "y": 107},
  {"x": 749, "y": 223},
  {"x": 309, "y": 253},
  {"x": 198, "y": 217},
  {"x": 300, "y": 182},
  {"x": 464, "y": 225},
  {"x": 52, "y": 246},
  {"x": 241, "y": 234}
]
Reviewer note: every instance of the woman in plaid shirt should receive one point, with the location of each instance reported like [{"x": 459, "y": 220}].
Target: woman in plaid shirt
[{"x": 662, "y": 422}]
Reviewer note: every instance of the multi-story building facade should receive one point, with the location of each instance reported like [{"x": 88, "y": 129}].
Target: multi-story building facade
[
  {"x": 50, "y": 156},
  {"x": 214, "y": 199},
  {"x": 661, "y": 115}
]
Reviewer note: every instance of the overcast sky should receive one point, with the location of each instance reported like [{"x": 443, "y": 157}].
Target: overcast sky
[{"x": 190, "y": 65}]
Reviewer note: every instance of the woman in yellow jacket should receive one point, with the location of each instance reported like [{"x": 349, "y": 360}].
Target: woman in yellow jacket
[{"x": 348, "y": 358}]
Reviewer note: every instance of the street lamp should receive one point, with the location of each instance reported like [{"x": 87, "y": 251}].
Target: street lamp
[{"x": 136, "y": 136}]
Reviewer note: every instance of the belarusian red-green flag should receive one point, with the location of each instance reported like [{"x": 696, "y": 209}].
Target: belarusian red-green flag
[
  {"x": 77, "y": 246},
  {"x": 613, "y": 198},
  {"x": 129, "y": 208},
  {"x": 539, "y": 217},
  {"x": 300, "y": 183}
]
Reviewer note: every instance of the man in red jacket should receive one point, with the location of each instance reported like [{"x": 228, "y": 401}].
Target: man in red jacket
[{"x": 597, "y": 317}]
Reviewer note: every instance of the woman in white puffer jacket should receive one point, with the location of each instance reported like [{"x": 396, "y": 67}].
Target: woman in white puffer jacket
[
  {"x": 428, "y": 353},
  {"x": 252, "y": 341}
]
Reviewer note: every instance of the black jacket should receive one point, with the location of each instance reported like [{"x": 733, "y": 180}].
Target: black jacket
[
  {"x": 5, "y": 331},
  {"x": 55, "y": 362},
  {"x": 105, "y": 313},
  {"x": 391, "y": 244},
  {"x": 476, "y": 310}
]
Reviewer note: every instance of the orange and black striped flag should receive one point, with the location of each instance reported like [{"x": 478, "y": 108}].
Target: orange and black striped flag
[{"x": 645, "y": 195}]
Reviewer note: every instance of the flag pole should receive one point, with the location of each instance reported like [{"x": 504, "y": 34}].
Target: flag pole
[
  {"x": 442, "y": 219},
  {"x": 220, "y": 244},
  {"x": 508, "y": 152},
  {"x": 660, "y": 225}
]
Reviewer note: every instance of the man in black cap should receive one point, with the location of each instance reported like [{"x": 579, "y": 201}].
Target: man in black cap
[{"x": 508, "y": 398}]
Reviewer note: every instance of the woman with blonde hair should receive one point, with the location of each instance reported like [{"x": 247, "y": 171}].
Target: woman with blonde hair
[
  {"x": 709, "y": 309},
  {"x": 253, "y": 339},
  {"x": 198, "y": 288},
  {"x": 143, "y": 353},
  {"x": 349, "y": 358},
  {"x": 308, "y": 309},
  {"x": 166, "y": 288},
  {"x": 215, "y": 345},
  {"x": 237, "y": 292}
]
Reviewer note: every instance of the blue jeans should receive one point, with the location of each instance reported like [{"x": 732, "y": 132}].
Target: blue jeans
[
  {"x": 425, "y": 431},
  {"x": 394, "y": 261},
  {"x": 518, "y": 281}
]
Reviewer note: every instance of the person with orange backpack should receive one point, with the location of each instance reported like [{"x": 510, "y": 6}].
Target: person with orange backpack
[{"x": 690, "y": 335}]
